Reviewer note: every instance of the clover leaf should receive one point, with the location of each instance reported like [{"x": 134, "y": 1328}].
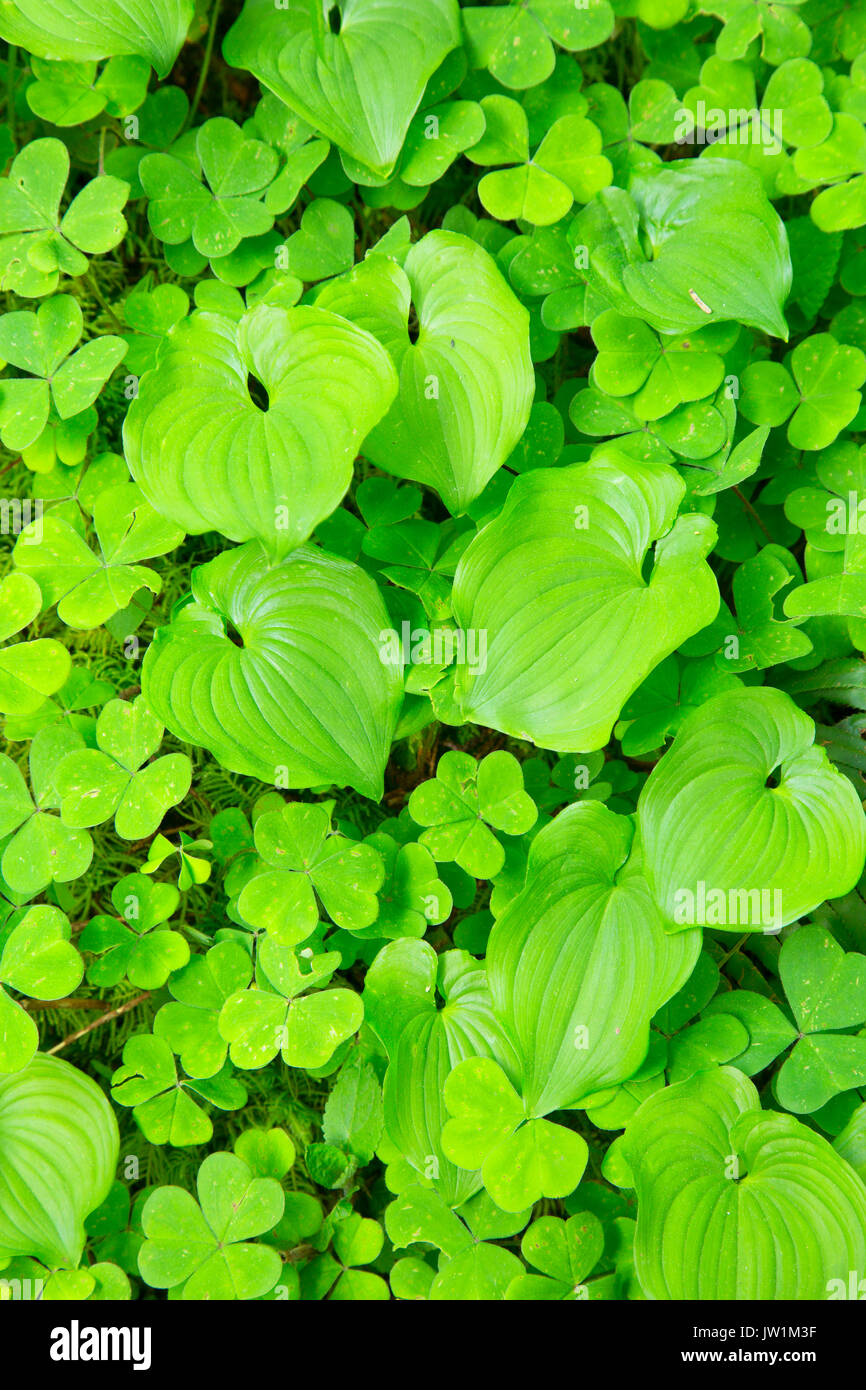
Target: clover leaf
[
  {"x": 416, "y": 554},
  {"x": 100, "y": 1281},
  {"x": 463, "y": 801},
  {"x": 659, "y": 376},
  {"x": 43, "y": 345},
  {"x": 88, "y": 587},
  {"x": 192, "y": 868},
  {"x": 761, "y": 639},
  {"x": 274, "y": 124},
  {"x": 436, "y": 136},
  {"x": 112, "y": 1229},
  {"x": 667, "y": 696},
  {"x": 37, "y": 959},
  {"x": 412, "y": 896},
  {"x": 828, "y": 376},
  {"x": 521, "y": 1159},
  {"x": 357, "y": 1241},
  {"x": 38, "y": 848},
  {"x": 567, "y": 166},
  {"x": 67, "y": 94},
  {"x": 158, "y": 123},
  {"x": 206, "y": 1246},
  {"x": 30, "y": 671},
  {"x": 825, "y": 988},
  {"x": 565, "y": 1251},
  {"x": 516, "y": 43},
  {"x": 768, "y": 394},
  {"x": 783, "y": 33},
  {"x": 161, "y": 1102},
  {"x": 129, "y": 944},
  {"x": 324, "y": 243},
  {"x": 190, "y": 1024},
  {"x": 651, "y": 117},
  {"x": 269, "y": 1153},
  {"x": 110, "y": 780},
  {"x": 303, "y": 858},
  {"x": 827, "y": 507},
  {"x": 703, "y": 1045},
  {"x": 472, "y": 1265},
  {"x": 217, "y": 211},
  {"x": 36, "y": 244},
  {"x": 80, "y": 692},
  {"x": 275, "y": 1016},
  {"x": 150, "y": 313}
]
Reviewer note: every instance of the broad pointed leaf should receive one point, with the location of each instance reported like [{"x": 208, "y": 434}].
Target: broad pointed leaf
[
  {"x": 305, "y": 690},
  {"x": 361, "y": 86},
  {"x": 80, "y": 31},
  {"x": 58, "y": 1151},
  {"x": 738, "y": 1203},
  {"x": 466, "y": 378},
  {"x": 208, "y": 457},
  {"x": 556, "y": 583},
  {"x": 579, "y": 962},
  {"x": 725, "y": 847}
]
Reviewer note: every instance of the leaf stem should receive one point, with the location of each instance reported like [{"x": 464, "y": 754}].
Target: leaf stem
[
  {"x": 734, "y": 949},
  {"x": 104, "y": 304},
  {"x": 208, "y": 50},
  {"x": 73, "y": 1005},
  {"x": 11, "y": 63}
]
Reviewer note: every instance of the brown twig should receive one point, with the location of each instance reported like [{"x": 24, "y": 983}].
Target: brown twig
[
  {"x": 33, "y": 1005},
  {"x": 97, "y": 1022}
]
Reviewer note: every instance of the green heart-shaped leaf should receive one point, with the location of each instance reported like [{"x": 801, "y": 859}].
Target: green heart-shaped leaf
[
  {"x": 558, "y": 671},
  {"x": 466, "y": 381},
  {"x": 58, "y": 1152},
  {"x": 306, "y": 697},
  {"x": 673, "y": 210},
  {"x": 361, "y": 86},
  {"x": 738, "y": 1203},
  {"x": 207, "y": 456},
  {"x": 81, "y": 32},
  {"x": 580, "y": 1025},
  {"x": 723, "y": 847}
]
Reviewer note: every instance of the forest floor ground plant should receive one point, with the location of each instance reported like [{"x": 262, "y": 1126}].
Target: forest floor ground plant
[{"x": 432, "y": 633}]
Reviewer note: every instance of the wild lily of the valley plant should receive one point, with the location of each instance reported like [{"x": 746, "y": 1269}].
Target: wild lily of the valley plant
[{"x": 433, "y": 618}]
